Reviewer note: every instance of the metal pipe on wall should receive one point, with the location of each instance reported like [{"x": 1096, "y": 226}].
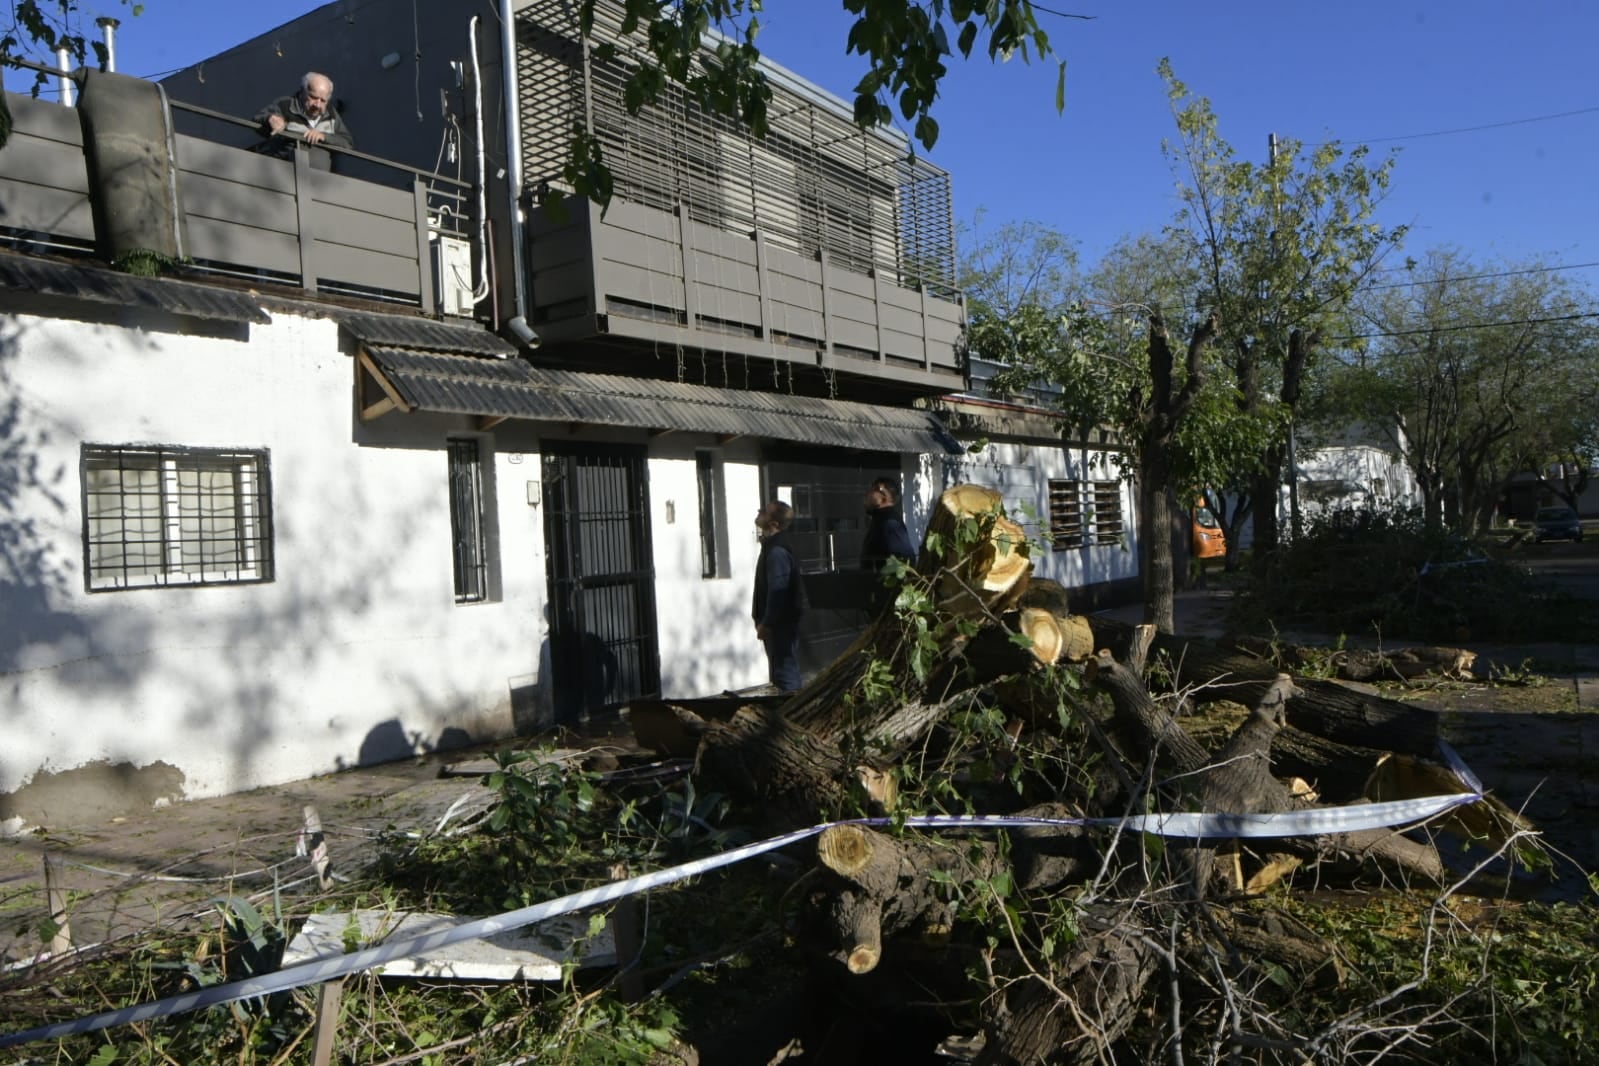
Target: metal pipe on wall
[{"x": 513, "y": 168}]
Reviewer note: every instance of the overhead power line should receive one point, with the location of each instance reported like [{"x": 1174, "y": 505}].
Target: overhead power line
[
  {"x": 1481, "y": 277},
  {"x": 1462, "y": 129},
  {"x": 1466, "y": 326}
]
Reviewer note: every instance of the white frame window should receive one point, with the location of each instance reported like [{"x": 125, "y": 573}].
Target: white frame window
[{"x": 155, "y": 517}]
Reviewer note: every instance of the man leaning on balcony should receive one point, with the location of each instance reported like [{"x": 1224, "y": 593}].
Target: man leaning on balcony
[{"x": 308, "y": 117}]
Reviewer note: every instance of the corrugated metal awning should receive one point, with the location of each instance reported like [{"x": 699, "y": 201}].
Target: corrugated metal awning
[
  {"x": 80, "y": 282},
  {"x": 411, "y": 331},
  {"x": 461, "y": 384}
]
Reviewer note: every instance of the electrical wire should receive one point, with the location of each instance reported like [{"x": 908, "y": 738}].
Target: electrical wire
[
  {"x": 1458, "y": 129},
  {"x": 1480, "y": 277},
  {"x": 1467, "y": 326}
]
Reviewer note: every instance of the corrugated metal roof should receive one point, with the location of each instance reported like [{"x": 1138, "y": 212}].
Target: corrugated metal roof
[
  {"x": 409, "y": 331},
  {"x": 50, "y": 278},
  {"x": 514, "y": 389}
]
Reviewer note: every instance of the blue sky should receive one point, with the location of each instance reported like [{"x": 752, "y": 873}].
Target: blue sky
[{"x": 1516, "y": 184}]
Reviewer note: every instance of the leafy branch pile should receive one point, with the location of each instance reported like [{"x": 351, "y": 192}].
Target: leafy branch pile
[{"x": 1382, "y": 573}]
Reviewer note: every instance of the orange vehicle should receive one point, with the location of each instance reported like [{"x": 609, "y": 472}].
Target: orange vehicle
[{"x": 1209, "y": 540}]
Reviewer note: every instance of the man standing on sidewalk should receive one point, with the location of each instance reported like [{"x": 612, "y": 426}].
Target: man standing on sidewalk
[{"x": 779, "y": 596}]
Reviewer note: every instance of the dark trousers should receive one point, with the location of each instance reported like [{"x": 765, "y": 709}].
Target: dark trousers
[{"x": 782, "y": 659}]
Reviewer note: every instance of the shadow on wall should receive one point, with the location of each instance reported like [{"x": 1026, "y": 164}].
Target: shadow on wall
[
  {"x": 388, "y": 741},
  {"x": 35, "y": 583},
  {"x": 587, "y": 680}
]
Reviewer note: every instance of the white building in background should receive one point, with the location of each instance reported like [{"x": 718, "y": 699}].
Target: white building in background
[{"x": 1359, "y": 467}]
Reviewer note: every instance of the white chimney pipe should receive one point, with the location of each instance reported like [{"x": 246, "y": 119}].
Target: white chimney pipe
[
  {"x": 64, "y": 79},
  {"x": 108, "y": 31}
]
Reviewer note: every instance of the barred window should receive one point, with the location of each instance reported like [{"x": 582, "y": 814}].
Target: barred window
[
  {"x": 175, "y": 516},
  {"x": 713, "y": 515},
  {"x": 1107, "y": 513},
  {"x": 467, "y": 525},
  {"x": 1085, "y": 513}
]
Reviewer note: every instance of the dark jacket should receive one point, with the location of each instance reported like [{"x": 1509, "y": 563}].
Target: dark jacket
[
  {"x": 779, "y": 589},
  {"x": 886, "y": 538},
  {"x": 331, "y": 125}
]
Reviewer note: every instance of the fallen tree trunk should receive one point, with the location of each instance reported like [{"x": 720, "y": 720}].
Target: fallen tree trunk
[{"x": 1328, "y": 709}]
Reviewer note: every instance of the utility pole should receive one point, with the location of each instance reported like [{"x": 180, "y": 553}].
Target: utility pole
[{"x": 1293, "y": 463}]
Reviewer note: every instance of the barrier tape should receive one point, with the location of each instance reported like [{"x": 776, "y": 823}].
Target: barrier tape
[{"x": 1320, "y": 821}]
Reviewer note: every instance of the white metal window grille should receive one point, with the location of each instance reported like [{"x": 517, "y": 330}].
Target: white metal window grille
[
  {"x": 1066, "y": 526},
  {"x": 1107, "y": 514},
  {"x": 467, "y": 525},
  {"x": 175, "y": 516},
  {"x": 1085, "y": 513}
]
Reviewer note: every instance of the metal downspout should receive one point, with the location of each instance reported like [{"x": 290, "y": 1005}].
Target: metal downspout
[{"x": 513, "y": 169}]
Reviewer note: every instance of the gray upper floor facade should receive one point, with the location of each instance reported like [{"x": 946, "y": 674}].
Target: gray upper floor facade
[{"x": 818, "y": 260}]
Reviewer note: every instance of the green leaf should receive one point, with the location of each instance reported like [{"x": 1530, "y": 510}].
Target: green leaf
[
  {"x": 927, "y": 131},
  {"x": 967, "y": 38},
  {"x": 1060, "y": 89}
]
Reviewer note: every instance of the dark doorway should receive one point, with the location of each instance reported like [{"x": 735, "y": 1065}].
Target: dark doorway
[
  {"x": 603, "y": 648},
  {"x": 827, "y": 488}
]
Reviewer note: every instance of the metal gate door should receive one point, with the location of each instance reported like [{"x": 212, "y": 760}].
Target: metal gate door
[{"x": 602, "y": 581}]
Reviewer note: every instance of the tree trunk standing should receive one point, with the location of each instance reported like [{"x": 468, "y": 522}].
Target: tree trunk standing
[
  {"x": 1169, "y": 404},
  {"x": 1154, "y": 518},
  {"x": 1266, "y": 490}
]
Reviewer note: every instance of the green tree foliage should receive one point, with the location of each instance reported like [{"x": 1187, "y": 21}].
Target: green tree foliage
[
  {"x": 1492, "y": 369},
  {"x": 1278, "y": 251},
  {"x": 45, "y": 27},
  {"x": 907, "y": 46}
]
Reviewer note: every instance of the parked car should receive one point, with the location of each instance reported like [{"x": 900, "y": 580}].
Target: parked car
[
  {"x": 1209, "y": 540},
  {"x": 1556, "y": 523}
]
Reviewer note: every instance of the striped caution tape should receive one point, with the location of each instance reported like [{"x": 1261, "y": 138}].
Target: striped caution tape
[{"x": 1194, "y": 826}]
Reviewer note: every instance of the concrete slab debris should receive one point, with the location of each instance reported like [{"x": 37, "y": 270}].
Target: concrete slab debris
[{"x": 532, "y": 953}]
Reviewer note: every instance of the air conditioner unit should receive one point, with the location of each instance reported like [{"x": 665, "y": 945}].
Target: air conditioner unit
[{"x": 452, "y": 274}]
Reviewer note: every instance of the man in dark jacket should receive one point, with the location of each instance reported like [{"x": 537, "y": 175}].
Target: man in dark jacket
[
  {"x": 779, "y": 597},
  {"x": 306, "y": 116},
  {"x": 886, "y": 538}
]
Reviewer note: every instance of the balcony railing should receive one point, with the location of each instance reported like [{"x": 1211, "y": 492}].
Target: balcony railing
[{"x": 246, "y": 215}]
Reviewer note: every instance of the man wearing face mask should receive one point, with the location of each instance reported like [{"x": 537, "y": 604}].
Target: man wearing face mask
[
  {"x": 779, "y": 596},
  {"x": 307, "y": 116},
  {"x": 886, "y": 538}
]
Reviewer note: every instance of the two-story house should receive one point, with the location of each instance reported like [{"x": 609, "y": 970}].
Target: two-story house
[{"x": 391, "y": 458}]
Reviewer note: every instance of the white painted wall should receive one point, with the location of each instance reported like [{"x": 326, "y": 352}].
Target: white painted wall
[
  {"x": 707, "y": 638},
  {"x": 356, "y": 651}
]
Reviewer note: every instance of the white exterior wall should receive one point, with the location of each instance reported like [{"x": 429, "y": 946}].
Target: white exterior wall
[
  {"x": 1022, "y": 472},
  {"x": 707, "y": 638},
  {"x": 356, "y": 651}
]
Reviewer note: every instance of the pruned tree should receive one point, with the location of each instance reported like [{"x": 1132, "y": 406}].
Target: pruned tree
[{"x": 1278, "y": 251}]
